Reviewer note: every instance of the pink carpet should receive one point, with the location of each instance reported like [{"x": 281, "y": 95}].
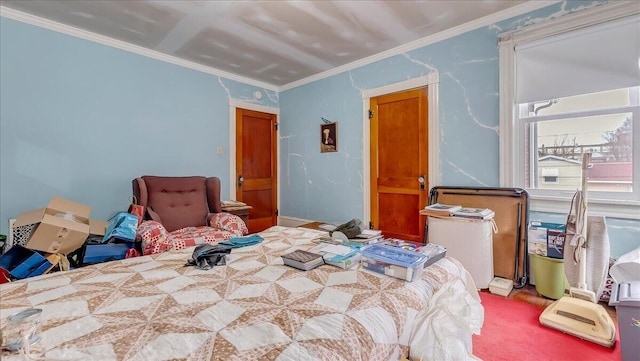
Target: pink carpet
[{"x": 511, "y": 331}]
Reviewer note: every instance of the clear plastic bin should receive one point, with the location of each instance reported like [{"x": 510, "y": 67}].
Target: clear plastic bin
[{"x": 393, "y": 261}]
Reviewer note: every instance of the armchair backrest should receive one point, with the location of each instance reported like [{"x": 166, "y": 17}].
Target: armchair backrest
[{"x": 178, "y": 202}]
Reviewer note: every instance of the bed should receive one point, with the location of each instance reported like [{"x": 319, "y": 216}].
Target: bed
[{"x": 253, "y": 308}]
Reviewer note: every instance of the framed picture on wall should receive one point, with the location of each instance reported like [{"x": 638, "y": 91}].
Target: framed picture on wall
[{"x": 329, "y": 137}]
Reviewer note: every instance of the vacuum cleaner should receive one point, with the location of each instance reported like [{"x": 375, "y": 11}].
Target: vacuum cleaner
[{"x": 579, "y": 314}]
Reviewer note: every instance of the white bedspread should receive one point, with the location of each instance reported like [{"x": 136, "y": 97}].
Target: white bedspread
[{"x": 254, "y": 308}]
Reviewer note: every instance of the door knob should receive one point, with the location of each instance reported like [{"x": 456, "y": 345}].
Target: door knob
[
  {"x": 422, "y": 179},
  {"x": 240, "y": 180}
]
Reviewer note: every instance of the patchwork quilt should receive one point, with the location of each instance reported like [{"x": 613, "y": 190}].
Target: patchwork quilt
[{"x": 253, "y": 308}]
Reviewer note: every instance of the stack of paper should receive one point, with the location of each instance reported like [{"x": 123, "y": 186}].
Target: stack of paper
[
  {"x": 233, "y": 204},
  {"x": 475, "y": 213},
  {"x": 337, "y": 255},
  {"x": 368, "y": 236},
  {"x": 440, "y": 210}
]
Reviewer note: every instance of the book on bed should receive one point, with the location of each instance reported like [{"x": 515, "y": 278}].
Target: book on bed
[{"x": 303, "y": 260}]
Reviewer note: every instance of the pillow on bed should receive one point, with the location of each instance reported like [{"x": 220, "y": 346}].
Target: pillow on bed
[
  {"x": 193, "y": 236},
  {"x": 154, "y": 237},
  {"x": 230, "y": 223}
]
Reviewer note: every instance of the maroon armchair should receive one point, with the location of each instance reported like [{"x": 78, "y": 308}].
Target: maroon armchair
[
  {"x": 179, "y": 202},
  {"x": 183, "y": 212}
]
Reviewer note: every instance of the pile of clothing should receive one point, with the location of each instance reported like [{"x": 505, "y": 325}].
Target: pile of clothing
[{"x": 206, "y": 255}]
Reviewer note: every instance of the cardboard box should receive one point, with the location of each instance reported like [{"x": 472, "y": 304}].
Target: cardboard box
[
  {"x": 61, "y": 227},
  {"x": 501, "y": 286},
  {"x": 555, "y": 242},
  {"x": 547, "y": 239},
  {"x": 537, "y": 240},
  {"x": 98, "y": 227}
]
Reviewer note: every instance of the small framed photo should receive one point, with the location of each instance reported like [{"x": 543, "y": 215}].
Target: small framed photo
[{"x": 329, "y": 137}]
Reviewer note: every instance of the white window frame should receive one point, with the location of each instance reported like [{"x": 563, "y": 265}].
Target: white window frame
[{"x": 512, "y": 132}]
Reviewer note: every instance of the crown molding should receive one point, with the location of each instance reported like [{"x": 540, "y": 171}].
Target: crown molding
[
  {"x": 601, "y": 14},
  {"x": 118, "y": 44},
  {"x": 431, "y": 39}
]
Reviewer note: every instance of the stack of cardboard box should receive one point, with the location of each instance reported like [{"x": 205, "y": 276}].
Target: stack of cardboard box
[
  {"x": 47, "y": 236},
  {"x": 547, "y": 239}
]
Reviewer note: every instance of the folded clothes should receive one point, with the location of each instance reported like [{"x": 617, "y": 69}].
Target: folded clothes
[
  {"x": 205, "y": 256},
  {"x": 237, "y": 242}
]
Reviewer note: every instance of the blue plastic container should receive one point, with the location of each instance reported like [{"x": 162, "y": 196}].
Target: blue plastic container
[
  {"x": 97, "y": 253},
  {"x": 22, "y": 262}
]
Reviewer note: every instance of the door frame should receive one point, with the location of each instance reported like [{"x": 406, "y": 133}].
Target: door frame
[
  {"x": 233, "y": 105},
  {"x": 430, "y": 80}
]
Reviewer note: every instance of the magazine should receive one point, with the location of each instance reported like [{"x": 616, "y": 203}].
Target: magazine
[
  {"x": 440, "y": 210},
  {"x": 338, "y": 255},
  {"x": 370, "y": 233},
  {"x": 232, "y": 203},
  {"x": 476, "y": 213}
]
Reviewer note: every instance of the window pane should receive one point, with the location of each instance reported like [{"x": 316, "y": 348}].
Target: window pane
[
  {"x": 555, "y": 100},
  {"x": 556, "y": 148}
]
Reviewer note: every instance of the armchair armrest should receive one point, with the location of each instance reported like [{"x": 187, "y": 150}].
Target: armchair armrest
[
  {"x": 154, "y": 237},
  {"x": 230, "y": 223},
  {"x": 209, "y": 217}
]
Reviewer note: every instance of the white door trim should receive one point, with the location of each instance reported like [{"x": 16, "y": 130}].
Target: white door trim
[
  {"x": 431, "y": 80},
  {"x": 233, "y": 105}
]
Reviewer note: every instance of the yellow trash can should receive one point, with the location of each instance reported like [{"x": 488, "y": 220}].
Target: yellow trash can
[{"x": 548, "y": 272}]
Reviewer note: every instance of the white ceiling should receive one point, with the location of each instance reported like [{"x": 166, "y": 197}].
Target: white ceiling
[{"x": 273, "y": 42}]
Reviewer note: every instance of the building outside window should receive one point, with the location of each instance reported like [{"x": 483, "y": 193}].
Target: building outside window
[{"x": 550, "y": 175}]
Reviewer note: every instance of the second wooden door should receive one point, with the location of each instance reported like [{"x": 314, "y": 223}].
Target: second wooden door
[{"x": 399, "y": 163}]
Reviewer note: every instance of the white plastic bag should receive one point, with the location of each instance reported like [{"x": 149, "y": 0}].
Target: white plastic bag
[
  {"x": 627, "y": 267},
  {"x": 443, "y": 332}
]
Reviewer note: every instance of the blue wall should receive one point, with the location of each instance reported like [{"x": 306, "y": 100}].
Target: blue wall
[
  {"x": 80, "y": 120},
  {"x": 328, "y": 187}
]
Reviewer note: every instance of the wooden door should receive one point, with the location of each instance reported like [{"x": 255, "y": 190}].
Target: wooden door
[
  {"x": 399, "y": 163},
  {"x": 256, "y": 166}
]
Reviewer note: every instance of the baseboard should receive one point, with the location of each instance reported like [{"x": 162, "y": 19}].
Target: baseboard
[{"x": 292, "y": 221}]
